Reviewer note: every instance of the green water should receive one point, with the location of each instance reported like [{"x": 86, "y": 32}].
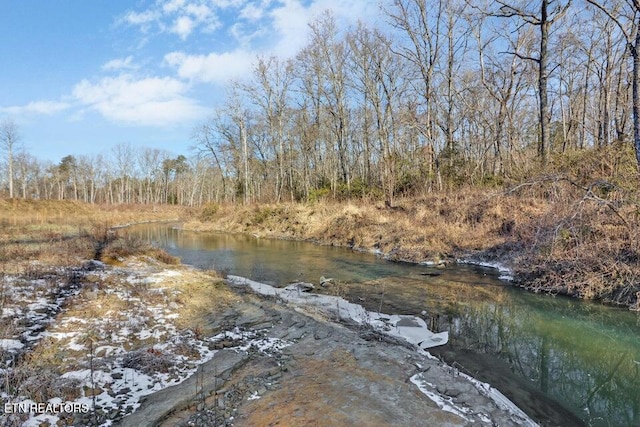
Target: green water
[{"x": 564, "y": 362}]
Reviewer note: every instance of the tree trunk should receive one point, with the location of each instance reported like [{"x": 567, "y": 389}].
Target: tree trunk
[
  {"x": 543, "y": 146},
  {"x": 636, "y": 96},
  {"x": 10, "y": 162}
]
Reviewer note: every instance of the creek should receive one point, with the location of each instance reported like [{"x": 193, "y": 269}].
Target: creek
[{"x": 564, "y": 362}]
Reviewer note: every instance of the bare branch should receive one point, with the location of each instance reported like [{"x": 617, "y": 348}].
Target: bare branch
[
  {"x": 613, "y": 18},
  {"x": 528, "y": 58},
  {"x": 509, "y": 11},
  {"x": 560, "y": 12}
]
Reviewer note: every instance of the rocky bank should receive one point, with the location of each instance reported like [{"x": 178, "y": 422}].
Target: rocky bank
[{"x": 320, "y": 373}]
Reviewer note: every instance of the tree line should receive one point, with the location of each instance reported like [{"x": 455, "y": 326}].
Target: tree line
[{"x": 436, "y": 95}]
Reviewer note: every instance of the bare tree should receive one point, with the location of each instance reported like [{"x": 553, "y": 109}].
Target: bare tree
[
  {"x": 626, "y": 15},
  {"x": 332, "y": 53},
  {"x": 27, "y": 170},
  {"x": 378, "y": 78},
  {"x": 420, "y": 22},
  {"x": 213, "y": 139},
  {"x": 549, "y": 11},
  {"x": 9, "y": 138},
  {"x": 125, "y": 165},
  {"x": 270, "y": 90},
  {"x": 502, "y": 80}
]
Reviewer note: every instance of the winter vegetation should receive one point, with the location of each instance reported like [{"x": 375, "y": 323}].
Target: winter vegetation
[
  {"x": 501, "y": 132},
  {"x": 498, "y": 129},
  {"x": 438, "y": 96},
  {"x": 96, "y": 319}
]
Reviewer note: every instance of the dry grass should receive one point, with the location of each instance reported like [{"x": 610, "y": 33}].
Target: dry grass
[
  {"x": 44, "y": 246},
  {"x": 572, "y": 230},
  {"x": 24, "y": 220},
  {"x": 440, "y": 226},
  {"x": 586, "y": 245},
  {"x": 64, "y": 233},
  {"x": 110, "y": 302}
]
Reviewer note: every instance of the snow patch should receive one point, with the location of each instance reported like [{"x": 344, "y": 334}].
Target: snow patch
[
  {"x": 444, "y": 403},
  {"x": 254, "y": 396},
  {"x": 506, "y": 273},
  {"x": 10, "y": 345},
  {"x": 501, "y": 400},
  {"x": 410, "y": 328}
]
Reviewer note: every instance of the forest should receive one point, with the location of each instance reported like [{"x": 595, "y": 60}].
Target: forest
[{"x": 440, "y": 95}]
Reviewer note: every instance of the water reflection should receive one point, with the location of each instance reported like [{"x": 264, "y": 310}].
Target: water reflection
[{"x": 586, "y": 357}]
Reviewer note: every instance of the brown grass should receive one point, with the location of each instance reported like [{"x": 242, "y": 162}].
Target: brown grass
[
  {"x": 65, "y": 233},
  {"x": 107, "y": 304},
  {"x": 440, "y": 226},
  {"x": 43, "y": 240},
  {"x": 571, "y": 230}
]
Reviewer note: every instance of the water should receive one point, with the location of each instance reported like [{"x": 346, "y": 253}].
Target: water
[{"x": 564, "y": 362}]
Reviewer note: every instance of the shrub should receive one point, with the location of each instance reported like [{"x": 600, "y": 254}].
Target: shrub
[
  {"x": 209, "y": 212},
  {"x": 148, "y": 361},
  {"x": 261, "y": 215},
  {"x": 319, "y": 194},
  {"x": 166, "y": 258}
]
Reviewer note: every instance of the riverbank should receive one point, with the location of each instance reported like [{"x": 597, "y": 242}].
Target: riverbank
[
  {"x": 100, "y": 320},
  {"x": 142, "y": 342},
  {"x": 553, "y": 234}
]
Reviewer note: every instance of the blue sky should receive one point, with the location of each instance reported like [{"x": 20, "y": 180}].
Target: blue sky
[{"x": 81, "y": 76}]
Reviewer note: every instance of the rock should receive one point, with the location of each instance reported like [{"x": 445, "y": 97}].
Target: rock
[
  {"x": 159, "y": 405},
  {"x": 275, "y": 377},
  {"x": 274, "y": 371},
  {"x": 452, "y": 392},
  {"x": 325, "y": 281},
  {"x": 320, "y": 334},
  {"x": 295, "y": 334},
  {"x": 431, "y": 273},
  {"x": 303, "y": 286},
  {"x": 263, "y": 325}
]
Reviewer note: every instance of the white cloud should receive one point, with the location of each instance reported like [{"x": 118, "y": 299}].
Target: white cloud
[
  {"x": 223, "y": 4},
  {"x": 213, "y": 68},
  {"x": 287, "y": 19},
  {"x": 119, "y": 64},
  {"x": 245, "y": 35},
  {"x": 291, "y": 20},
  {"x": 199, "y": 11},
  {"x": 173, "y": 6},
  {"x": 152, "y": 101},
  {"x": 141, "y": 18},
  {"x": 181, "y": 17},
  {"x": 37, "y": 107},
  {"x": 183, "y": 26},
  {"x": 252, "y": 13}
]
